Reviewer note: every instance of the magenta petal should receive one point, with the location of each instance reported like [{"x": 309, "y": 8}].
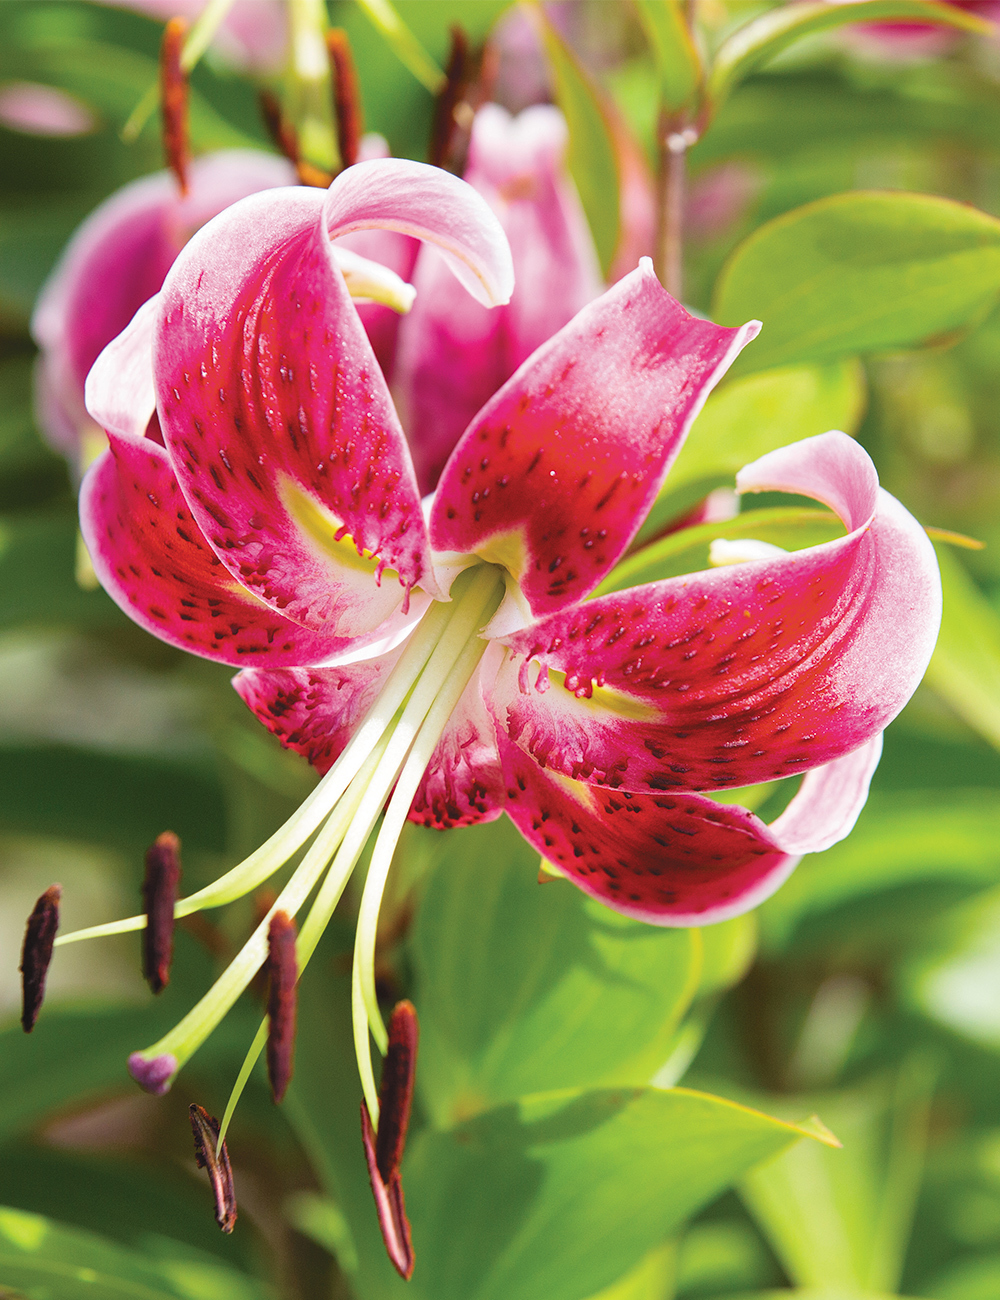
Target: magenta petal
[
  {"x": 454, "y": 353},
  {"x": 430, "y": 204},
  {"x": 463, "y": 783},
  {"x": 314, "y": 710},
  {"x": 116, "y": 261},
  {"x": 666, "y": 859},
  {"x": 153, "y": 560},
  {"x": 279, "y": 422},
  {"x": 557, "y": 472},
  {"x": 743, "y": 674}
]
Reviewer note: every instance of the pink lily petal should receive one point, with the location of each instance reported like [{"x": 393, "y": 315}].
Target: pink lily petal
[
  {"x": 430, "y": 204},
  {"x": 397, "y": 252},
  {"x": 742, "y": 674},
  {"x": 454, "y": 353},
  {"x": 314, "y": 710},
  {"x": 119, "y": 391},
  {"x": 666, "y": 859},
  {"x": 828, "y": 802},
  {"x": 278, "y": 420},
  {"x": 152, "y": 559},
  {"x": 463, "y": 783},
  {"x": 116, "y": 261},
  {"x": 557, "y": 472}
]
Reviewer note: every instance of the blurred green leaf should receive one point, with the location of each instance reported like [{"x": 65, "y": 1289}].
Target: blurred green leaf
[
  {"x": 842, "y": 1217},
  {"x": 120, "y": 800},
  {"x": 651, "y": 1279},
  {"x": 591, "y": 155},
  {"x": 971, "y": 1278},
  {"x": 749, "y": 417},
  {"x": 678, "y": 64},
  {"x": 75, "y": 1054},
  {"x": 935, "y": 836},
  {"x": 766, "y": 36},
  {"x": 118, "y": 1196},
  {"x": 404, "y": 44},
  {"x": 965, "y": 668},
  {"x": 860, "y": 272},
  {"x": 37, "y": 583},
  {"x": 956, "y": 978},
  {"x": 562, "y": 1193},
  {"x": 522, "y": 987},
  {"x": 46, "y": 1260},
  {"x": 686, "y": 551}
]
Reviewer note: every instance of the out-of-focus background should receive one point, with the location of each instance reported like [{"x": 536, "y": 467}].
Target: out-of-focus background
[{"x": 867, "y": 990}]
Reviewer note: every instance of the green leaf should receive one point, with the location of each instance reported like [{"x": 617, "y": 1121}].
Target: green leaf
[
  {"x": 404, "y": 44},
  {"x": 651, "y": 1279},
  {"x": 75, "y": 1054},
  {"x": 678, "y": 64},
  {"x": 954, "y": 979},
  {"x": 523, "y": 987},
  {"x": 749, "y": 417},
  {"x": 591, "y": 156},
  {"x": 860, "y": 272},
  {"x": 563, "y": 1193},
  {"x": 965, "y": 668},
  {"x": 47, "y": 1261},
  {"x": 842, "y": 1217},
  {"x": 119, "y": 800},
  {"x": 931, "y": 837},
  {"x": 763, "y": 38},
  {"x": 686, "y": 551}
]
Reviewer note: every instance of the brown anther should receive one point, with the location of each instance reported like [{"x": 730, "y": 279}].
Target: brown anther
[
  {"x": 159, "y": 894},
  {"x": 282, "y": 970},
  {"x": 389, "y": 1205},
  {"x": 443, "y": 124},
  {"x": 384, "y": 1150},
  {"x": 395, "y": 1094},
  {"x": 174, "y": 101},
  {"x": 220, "y": 1174},
  {"x": 286, "y": 140},
  {"x": 36, "y": 953},
  {"x": 346, "y": 96}
]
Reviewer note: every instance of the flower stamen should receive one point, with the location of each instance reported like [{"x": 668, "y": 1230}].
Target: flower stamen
[
  {"x": 159, "y": 892},
  {"x": 36, "y": 954}
]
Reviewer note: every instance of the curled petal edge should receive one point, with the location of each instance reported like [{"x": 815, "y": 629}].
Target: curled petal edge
[{"x": 428, "y": 203}]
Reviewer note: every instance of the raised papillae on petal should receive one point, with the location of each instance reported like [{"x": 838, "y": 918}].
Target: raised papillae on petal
[
  {"x": 556, "y": 474},
  {"x": 279, "y": 423},
  {"x": 743, "y": 674}
]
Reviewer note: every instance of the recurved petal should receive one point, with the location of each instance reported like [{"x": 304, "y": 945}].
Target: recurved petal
[
  {"x": 557, "y": 472},
  {"x": 430, "y": 204},
  {"x": 454, "y": 353},
  {"x": 742, "y": 674},
  {"x": 153, "y": 560},
  {"x": 664, "y": 858},
  {"x": 279, "y": 423},
  {"x": 463, "y": 783},
  {"x": 828, "y": 801},
  {"x": 314, "y": 710}
]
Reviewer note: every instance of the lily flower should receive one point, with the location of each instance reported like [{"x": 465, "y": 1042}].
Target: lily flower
[{"x": 452, "y": 666}]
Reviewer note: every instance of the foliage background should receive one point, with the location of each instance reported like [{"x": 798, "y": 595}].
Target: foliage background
[{"x": 867, "y": 990}]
